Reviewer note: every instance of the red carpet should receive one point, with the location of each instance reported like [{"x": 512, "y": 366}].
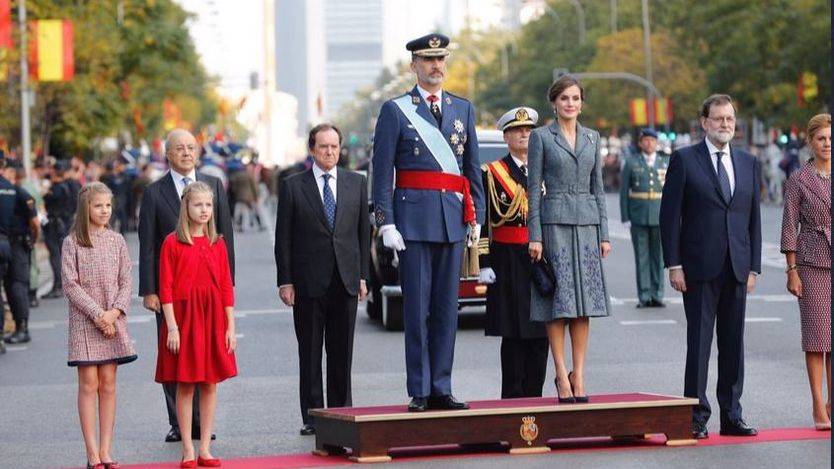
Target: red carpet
[{"x": 559, "y": 446}]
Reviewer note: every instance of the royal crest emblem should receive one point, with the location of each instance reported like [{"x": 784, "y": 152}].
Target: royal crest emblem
[
  {"x": 434, "y": 43},
  {"x": 458, "y": 125},
  {"x": 521, "y": 115},
  {"x": 529, "y": 431},
  {"x": 454, "y": 139}
]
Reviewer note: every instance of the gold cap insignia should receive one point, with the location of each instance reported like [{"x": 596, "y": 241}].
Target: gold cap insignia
[
  {"x": 521, "y": 115},
  {"x": 434, "y": 43}
]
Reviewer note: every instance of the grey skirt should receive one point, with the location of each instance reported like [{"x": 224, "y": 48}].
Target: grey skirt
[{"x": 573, "y": 250}]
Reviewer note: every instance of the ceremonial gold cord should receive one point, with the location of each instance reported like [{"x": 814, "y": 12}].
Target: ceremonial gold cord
[{"x": 518, "y": 205}]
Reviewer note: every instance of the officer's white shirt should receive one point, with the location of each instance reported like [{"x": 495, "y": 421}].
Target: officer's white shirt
[
  {"x": 318, "y": 173},
  {"x": 425, "y": 94},
  {"x": 518, "y": 162},
  {"x": 650, "y": 159},
  {"x": 178, "y": 182},
  {"x": 726, "y": 161}
]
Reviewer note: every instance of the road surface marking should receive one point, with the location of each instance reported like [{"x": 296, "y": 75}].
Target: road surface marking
[
  {"x": 648, "y": 322},
  {"x": 762, "y": 319}
]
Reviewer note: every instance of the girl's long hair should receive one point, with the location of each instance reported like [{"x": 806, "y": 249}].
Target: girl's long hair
[
  {"x": 81, "y": 226},
  {"x": 184, "y": 222}
]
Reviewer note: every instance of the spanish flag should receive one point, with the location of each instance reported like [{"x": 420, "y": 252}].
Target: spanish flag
[{"x": 50, "y": 50}]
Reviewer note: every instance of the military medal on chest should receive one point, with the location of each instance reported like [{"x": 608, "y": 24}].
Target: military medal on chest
[{"x": 458, "y": 126}]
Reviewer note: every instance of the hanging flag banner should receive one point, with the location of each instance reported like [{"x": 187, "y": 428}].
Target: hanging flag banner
[
  {"x": 638, "y": 111},
  {"x": 51, "y": 50},
  {"x": 5, "y": 37}
]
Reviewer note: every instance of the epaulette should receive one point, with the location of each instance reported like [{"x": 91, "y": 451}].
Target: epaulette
[{"x": 455, "y": 96}]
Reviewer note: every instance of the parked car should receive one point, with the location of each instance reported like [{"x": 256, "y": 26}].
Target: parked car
[{"x": 385, "y": 298}]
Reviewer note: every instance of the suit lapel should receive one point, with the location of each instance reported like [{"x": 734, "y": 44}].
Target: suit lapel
[
  {"x": 815, "y": 185},
  {"x": 706, "y": 163},
  {"x": 449, "y": 116},
  {"x": 341, "y": 194},
  {"x": 561, "y": 140},
  {"x": 423, "y": 108},
  {"x": 734, "y": 156},
  {"x": 583, "y": 137},
  {"x": 311, "y": 191},
  {"x": 169, "y": 193}
]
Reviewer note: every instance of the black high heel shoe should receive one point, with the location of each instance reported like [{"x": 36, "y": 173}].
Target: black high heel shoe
[
  {"x": 563, "y": 400},
  {"x": 579, "y": 399}
]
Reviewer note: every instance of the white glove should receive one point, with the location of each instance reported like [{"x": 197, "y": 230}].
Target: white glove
[
  {"x": 391, "y": 238},
  {"x": 486, "y": 276},
  {"x": 474, "y": 235}
]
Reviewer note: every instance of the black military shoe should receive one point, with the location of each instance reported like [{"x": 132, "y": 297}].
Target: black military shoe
[
  {"x": 644, "y": 304},
  {"x": 418, "y": 404},
  {"x": 20, "y": 336},
  {"x": 658, "y": 304},
  {"x": 737, "y": 428},
  {"x": 307, "y": 430},
  {"x": 447, "y": 402},
  {"x": 699, "y": 431},
  {"x": 173, "y": 435}
]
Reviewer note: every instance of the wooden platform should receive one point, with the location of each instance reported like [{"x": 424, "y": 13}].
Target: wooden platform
[{"x": 525, "y": 425}]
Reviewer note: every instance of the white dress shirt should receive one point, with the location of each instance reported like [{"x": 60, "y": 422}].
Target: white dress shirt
[
  {"x": 425, "y": 94},
  {"x": 178, "y": 182},
  {"x": 650, "y": 159},
  {"x": 726, "y": 161},
  {"x": 318, "y": 173}
]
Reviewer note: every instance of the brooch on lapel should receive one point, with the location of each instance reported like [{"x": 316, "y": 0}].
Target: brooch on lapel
[
  {"x": 415, "y": 100},
  {"x": 458, "y": 125},
  {"x": 448, "y": 101},
  {"x": 454, "y": 139}
]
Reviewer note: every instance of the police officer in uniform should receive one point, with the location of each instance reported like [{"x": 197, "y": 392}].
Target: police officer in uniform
[
  {"x": 433, "y": 209},
  {"x": 641, "y": 186},
  {"x": 60, "y": 208},
  {"x": 505, "y": 263},
  {"x": 10, "y": 199},
  {"x": 22, "y": 235}
]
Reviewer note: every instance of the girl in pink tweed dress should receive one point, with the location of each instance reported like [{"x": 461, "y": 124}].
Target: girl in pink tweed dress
[{"x": 96, "y": 277}]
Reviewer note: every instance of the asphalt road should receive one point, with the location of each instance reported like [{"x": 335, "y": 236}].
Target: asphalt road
[{"x": 634, "y": 350}]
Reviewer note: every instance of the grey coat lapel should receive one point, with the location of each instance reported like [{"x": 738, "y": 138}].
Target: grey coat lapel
[{"x": 561, "y": 140}]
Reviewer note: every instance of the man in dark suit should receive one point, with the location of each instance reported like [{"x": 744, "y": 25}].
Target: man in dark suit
[
  {"x": 322, "y": 242},
  {"x": 710, "y": 229},
  {"x": 157, "y": 218}
]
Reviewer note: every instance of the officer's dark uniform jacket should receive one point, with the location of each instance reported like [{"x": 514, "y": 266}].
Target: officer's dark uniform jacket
[{"x": 503, "y": 247}]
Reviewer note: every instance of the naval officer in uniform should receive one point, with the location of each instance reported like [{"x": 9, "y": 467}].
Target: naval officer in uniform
[
  {"x": 505, "y": 264},
  {"x": 433, "y": 208},
  {"x": 641, "y": 186}
]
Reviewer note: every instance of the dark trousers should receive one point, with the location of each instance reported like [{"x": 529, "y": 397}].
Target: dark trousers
[
  {"x": 53, "y": 237},
  {"x": 719, "y": 304},
  {"x": 523, "y": 367},
  {"x": 16, "y": 282},
  {"x": 327, "y": 320},
  {"x": 648, "y": 260},
  {"x": 170, "y": 390},
  {"x": 430, "y": 276}
]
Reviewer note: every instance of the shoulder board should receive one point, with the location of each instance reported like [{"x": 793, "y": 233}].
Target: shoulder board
[
  {"x": 455, "y": 96},
  {"x": 485, "y": 167}
]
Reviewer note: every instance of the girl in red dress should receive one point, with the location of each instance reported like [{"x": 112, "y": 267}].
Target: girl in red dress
[{"x": 197, "y": 296}]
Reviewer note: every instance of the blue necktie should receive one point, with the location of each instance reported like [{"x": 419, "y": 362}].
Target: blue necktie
[
  {"x": 329, "y": 201},
  {"x": 723, "y": 179}
]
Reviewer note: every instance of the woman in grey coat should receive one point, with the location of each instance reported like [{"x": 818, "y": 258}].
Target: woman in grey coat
[{"x": 568, "y": 225}]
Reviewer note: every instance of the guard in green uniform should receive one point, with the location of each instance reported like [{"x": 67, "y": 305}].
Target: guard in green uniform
[{"x": 641, "y": 186}]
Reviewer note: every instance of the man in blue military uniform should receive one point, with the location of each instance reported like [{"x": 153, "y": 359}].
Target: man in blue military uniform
[
  {"x": 641, "y": 186},
  {"x": 23, "y": 232},
  {"x": 434, "y": 207}
]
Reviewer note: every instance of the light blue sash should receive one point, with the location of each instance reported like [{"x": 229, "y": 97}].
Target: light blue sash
[{"x": 434, "y": 140}]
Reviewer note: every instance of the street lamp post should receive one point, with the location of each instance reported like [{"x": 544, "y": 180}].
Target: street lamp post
[
  {"x": 25, "y": 131},
  {"x": 647, "y": 52}
]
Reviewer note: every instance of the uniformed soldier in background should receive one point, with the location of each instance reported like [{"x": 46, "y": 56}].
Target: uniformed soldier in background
[
  {"x": 24, "y": 231},
  {"x": 641, "y": 186},
  {"x": 60, "y": 208},
  {"x": 505, "y": 263},
  {"x": 10, "y": 198}
]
